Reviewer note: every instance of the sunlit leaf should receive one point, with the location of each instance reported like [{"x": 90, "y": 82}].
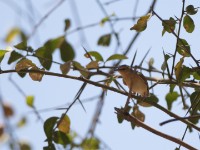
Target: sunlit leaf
[
  {"x": 66, "y": 52},
  {"x": 48, "y": 126},
  {"x": 104, "y": 40},
  {"x": 21, "y": 45},
  {"x": 138, "y": 114},
  {"x": 12, "y": 34},
  {"x": 90, "y": 144},
  {"x": 178, "y": 68},
  {"x": 84, "y": 72},
  {"x": 191, "y": 10},
  {"x": 170, "y": 98},
  {"x": 92, "y": 64},
  {"x": 2, "y": 53},
  {"x": 95, "y": 54},
  {"x": 36, "y": 76},
  {"x": 117, "y": 57},
  {"x": 188, "y": 24},
  {"x": 24, "y": 145},
  {"x": 65, "y": 68},
  {"x": 44, "y": 56},
  {"x": 14, "y": 56},
  {"x": 61, "y": 138},
  {"x": 169, "y": 25},
  {"x": 24, "y": 64},
  {"x": 30, "y": 101},
  {"x": 141, "y": 23},
  {"x": 64, "y": 124},
  {"x": 53, "y": 44},
  {"x": 104, "y": 20},
  {"x": 183, "y": 48},
  {"x": 22, "y": 122},
  {"x": 67, "y": 24}
]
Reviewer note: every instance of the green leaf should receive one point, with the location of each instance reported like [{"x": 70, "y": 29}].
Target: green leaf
[
  {"x": 64, "y": 124},
  {"x": 90, "y": 144},
  {"x": 12, "y": 34},
  {"x": 21, "y": 46},
  {"x": 67, "y": 24},
  {"x": 30, "y": 100},
  {"x": 22, "y": 75},
  {"x": 104, "y": 20},
  {"x": 120, "y": 118},
  {"x": 117, "y": 57},
  {"x": 104, "y": 40},
  {"x": 61, "y": 138},
  {"x": 194, "y": 99},
  {"x": 24, "y": 64},
  {"x": 66, "y": 52},
  {"x": 172, "y": 86},
  {"x": 84, "y": 72},
  {"x": 196, "y": 75},
  {"x": 50, "y": 146},
  {"x": 183, "y": 48},
  {"x": 169, "y": 25},
  {"x": 14, "y": 56},
  {"x": 188, "y": 24},
  {"x": 95, "y": 54},
  {"x": 185, "y": 73},
  {"x": 141, "y": 23},
  {"x": 52, "y": 44},
  {"x": 44, "y": 56},
  {"x": 170, "y": 98},
  {"x": 151, "y": 98},
  {"x": 178, "y": 69},
  {"x": 191, "y": 10},
  {"x": 49, "y": 126},
  {"x": 65, "y": 68},
  {"x": 2, "y": 53}
]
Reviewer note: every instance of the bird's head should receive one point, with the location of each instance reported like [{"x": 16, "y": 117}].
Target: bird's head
[{"x": 123, "y": 69}]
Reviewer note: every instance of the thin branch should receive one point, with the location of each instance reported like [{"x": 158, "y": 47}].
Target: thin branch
[
  {"x": 134, "y": 120},
  {"x": 177, "y": 119},
  {"x": 45, "y": 17},
  {"x": 104, "y": 87},
  {"x": 178, "y": 36}
]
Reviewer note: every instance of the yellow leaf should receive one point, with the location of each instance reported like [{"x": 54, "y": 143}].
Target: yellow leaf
[
  {"x": 92, "y": 64},
  {"x": 178, "y": 68},
  {"x": 64, "y": 124},
  {"x": 12, "y": 34},
  {"x": 36, "y": 76},
  {"x": 65, "y": 68},
  {"x": 30, "y": 100},
  {"x": 138, "y": 114},
  {"x": 24, "y": 64}
]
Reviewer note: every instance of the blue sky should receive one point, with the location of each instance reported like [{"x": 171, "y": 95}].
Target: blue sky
[{"x": 53, "y": 91}]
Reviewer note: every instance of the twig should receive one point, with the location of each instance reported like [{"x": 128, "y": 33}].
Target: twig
[
  {"x": 45, "y": 17},
  {"x": 105, "y": 87},
  {"x": 134, "y": 120}
]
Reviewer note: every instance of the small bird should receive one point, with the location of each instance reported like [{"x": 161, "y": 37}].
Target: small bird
[{"x": 134, "y": 80}]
